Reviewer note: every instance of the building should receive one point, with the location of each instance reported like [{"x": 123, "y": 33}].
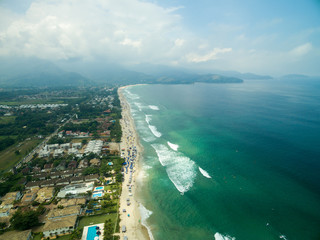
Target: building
[
  {"x": 61, "y": 226},
  {"x": 17, "y": 235},
  {"x": 9, "y": 198},
  {"x": 77, "y": 145},
  {"x": 57, "y": 153},
  {"x": 65, "y": 146},
  {"x": 28, "y": 198},
  {"x": 75, "y": 190},
  {"x": 83, "y": 163},
  {"x": 72, "y": 202},
  {"x": 64, "y": 212},
  {"x": 45, "y": 194},
  {"x": 92, "y": 177},
  {"x": 4, "y": 212},
  {"x": 95, "y": 162},
  {"x": 31, "y": 185}
]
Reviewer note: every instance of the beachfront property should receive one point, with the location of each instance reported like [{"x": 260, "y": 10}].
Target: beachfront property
[
  {"x": 98, "y": 192},
  {"x": 61, "y": 226},
  {"x": 64, "y": 212},
  {"x": 94, "y": 146},
  {"x": 75, "y": 189},
  {"x": 93, "y": 232},
  {"x": 17, "y": 235}
]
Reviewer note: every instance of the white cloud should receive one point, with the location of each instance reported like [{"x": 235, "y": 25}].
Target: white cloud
[
  {"x": 302, "y": 49},
  {"x": 196, "y": 58}
]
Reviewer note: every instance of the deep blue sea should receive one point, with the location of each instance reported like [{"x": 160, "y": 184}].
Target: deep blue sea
[{"x": 230, "y": 161}]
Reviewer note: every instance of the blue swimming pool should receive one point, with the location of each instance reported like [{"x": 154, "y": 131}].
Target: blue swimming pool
[
  {"x": 92, "y": 233},
  {"x": 99, "y": 188},
  {"x": 97, "y": 195}
]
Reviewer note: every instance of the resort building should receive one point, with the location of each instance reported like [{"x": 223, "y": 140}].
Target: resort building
[{"x": 45, "y": 194}]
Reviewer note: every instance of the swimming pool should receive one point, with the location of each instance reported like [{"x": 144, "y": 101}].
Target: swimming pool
[
  {"x": 99, "y": 188},
  {"x": 92, "y": 233},
  {"x": 97, "y": 194}
]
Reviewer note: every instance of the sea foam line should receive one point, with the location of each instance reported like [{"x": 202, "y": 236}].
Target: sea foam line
[
  {"x": 145, "y": 214},
  {"x": 153, "y": 107},
  {"x": 180, "y": 169},
  {"x": 173, "y": 146},
  {"x": 204, "y": 173},
  {"x": 219, "y": 236}
]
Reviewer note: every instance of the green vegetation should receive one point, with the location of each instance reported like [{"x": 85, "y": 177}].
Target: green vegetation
[
  {"x": 7, "y": 119},
  {"x": 24, "y": 220},
  {"x": 8, "y": 158},
  {"x": 89, "y": 220}
]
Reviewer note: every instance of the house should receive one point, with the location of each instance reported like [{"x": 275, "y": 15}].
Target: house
[
  {"x": 77, "y": 172},
  {"x": 75, "y": 189},
  {"x": 57, "y": 153},
  {"x": 45, "y": 194},
  {"x": 63, "y": 181},
  {"x": 77, "y": 145},
  {"x": 95, "y": 162},
  {"x": 79, "y": 179},
  {"x": 40, "y": 176},
  {"x": 25, "y": 170},
  {"x": 109, "y": 180},
  {"x": 44, "y": 153},
  {"x": 72, "y": 164},
  {"x": 47, "y": 167},
  {"x": 28, "y": 198},
  {"x": 52, "y": 146},
  {"x": 61, "y": 166},
  {"x": 64, "y": 212},
  {"x": 59, "y": 226},
  {"x": 55, "y": 175},
  {"x": 36, "y": 169},
  {"x": 92, "y": 177},
  {"x": 65, "y": 146},
  {"x": 73, "y": 151},
  {"x": 72, "y": 202},
  {"x": 17, "y": 235},
  {"x": 83, "y": 163},
  {"x": 31, "y": 185},
  {"x": 4, "y": 212},
  {"x": 9, "y": 198},
  {"x": 48, "y": 183},
  {"x": 67, "y": 173}
]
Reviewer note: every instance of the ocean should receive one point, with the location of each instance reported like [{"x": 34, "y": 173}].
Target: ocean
[{"x": 229, "y": 161}]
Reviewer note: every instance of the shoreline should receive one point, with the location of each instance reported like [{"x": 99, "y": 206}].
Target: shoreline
[{"x": 131, "y": 218}]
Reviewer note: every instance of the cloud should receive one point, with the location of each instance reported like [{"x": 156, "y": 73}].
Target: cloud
[
  {"x": 302, "y": 49},
  {"x": 195, "y": 58},
  {"x": 118, "y": 30}
]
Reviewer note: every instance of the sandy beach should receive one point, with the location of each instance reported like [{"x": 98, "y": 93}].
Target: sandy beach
[{"x": 130, "y": 150}]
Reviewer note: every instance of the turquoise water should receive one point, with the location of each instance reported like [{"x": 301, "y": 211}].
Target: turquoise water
[
  {"x": 92, "y": 233},
  {"x": 233, "y": 161},
  {"x": 97, "y": 195},
  {"x": 99, "y": 188}
]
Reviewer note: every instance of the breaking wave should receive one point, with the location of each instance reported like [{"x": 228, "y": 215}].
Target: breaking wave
[
  {"x": 155, "y": 131},
  {"x": 180, "y": 169},
  {"x": 153, "y": 107},
  {"x": 219, "y": 236},
  {"x": 173, "y": 146},
  {"x": 145, "y": 214},
  {"x": 204, "y": 173}
]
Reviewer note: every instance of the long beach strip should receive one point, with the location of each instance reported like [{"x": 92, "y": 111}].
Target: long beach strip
[{"x": 130, "y": 219}]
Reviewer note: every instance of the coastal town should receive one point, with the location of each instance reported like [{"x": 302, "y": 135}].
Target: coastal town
[{"x": 77, "y": 178}]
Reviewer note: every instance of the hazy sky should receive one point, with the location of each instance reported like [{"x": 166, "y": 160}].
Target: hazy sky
[{"x": 267, "y": 37}]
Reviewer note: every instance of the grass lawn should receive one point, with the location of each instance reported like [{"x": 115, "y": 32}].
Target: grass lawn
[
  {"x": 32, "y": 101},
  {"x": 85, "y": 221},
  {"x": 8, "y": 158},
  {"x": 7, "y": 119}
]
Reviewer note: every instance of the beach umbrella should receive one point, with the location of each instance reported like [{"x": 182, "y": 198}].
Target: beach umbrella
[
  {"x": 98, "y": 233},
  {"x": 97, "y": 228}
]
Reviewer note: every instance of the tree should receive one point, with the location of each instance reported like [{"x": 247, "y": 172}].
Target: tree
[{"x": 24, "y": 220}]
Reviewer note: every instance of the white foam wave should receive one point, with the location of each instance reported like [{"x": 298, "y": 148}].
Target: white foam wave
[
  {"x": 219, "y": 236},
  {"x": 148, "y": 118},
  {"x": 145, "y": 214},
  {"x": 139, "y": 105},
  {"x": 153, "y": 107},
  {"x": 173, "y": 146},
  {"x": 131, "y": 95},
  {"x": 283, "y": 237},
  {"x": 204, "y": 173},
  {"x": 180, "y": 169},
  {"x": 155, "y": 131}
]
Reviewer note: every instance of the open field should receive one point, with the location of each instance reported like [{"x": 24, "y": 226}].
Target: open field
[
  {"x": 8, "y": 158},
  {"x": 32, "y": 101}
]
